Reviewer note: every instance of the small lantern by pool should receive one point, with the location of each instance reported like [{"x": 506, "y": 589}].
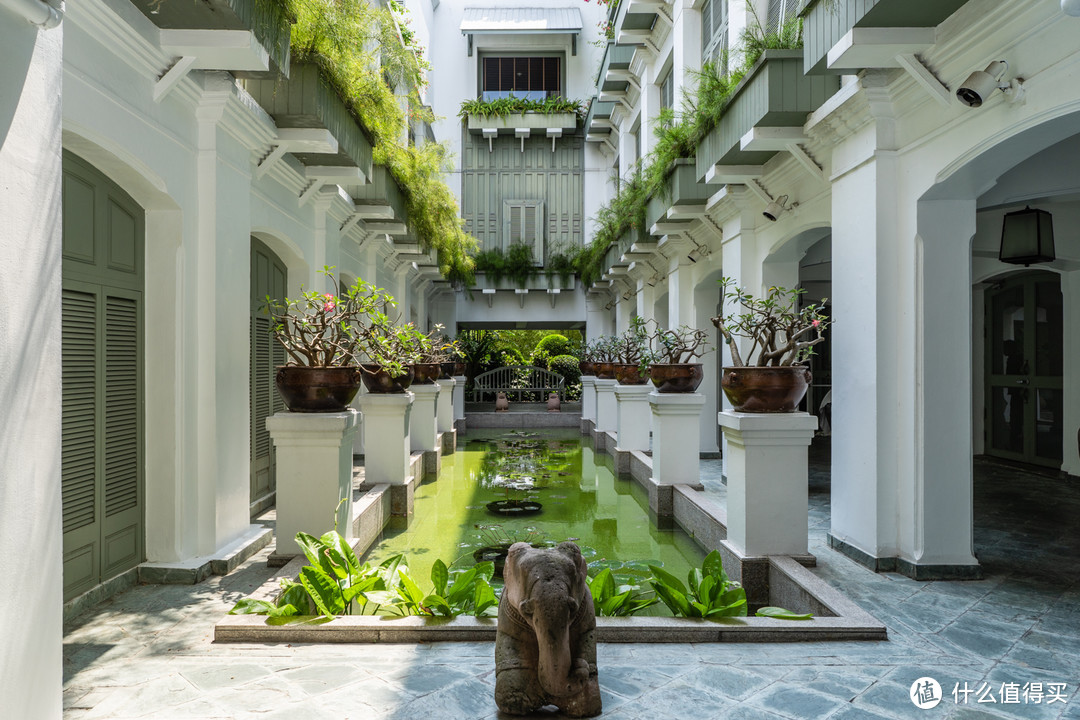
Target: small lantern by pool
[{"x": 1027, "y": 236}]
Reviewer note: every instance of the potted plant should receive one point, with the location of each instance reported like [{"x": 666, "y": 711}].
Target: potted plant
[
  {"x": 430, "y": 355},
  {"x": 781, "y": 336},
  {"x": 449, "y": 355},
  {"x": 388, "y": 351},
  {"x": 587, "y": 359},
  {"x": 321, "y": 333},
  {"x": 632, "y": 351},
  {"x": 671, "y": 365},
  {"x": 604, "y": 354}
]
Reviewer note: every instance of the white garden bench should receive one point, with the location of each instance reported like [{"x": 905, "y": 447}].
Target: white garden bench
[{"x": 516, "y": 381}]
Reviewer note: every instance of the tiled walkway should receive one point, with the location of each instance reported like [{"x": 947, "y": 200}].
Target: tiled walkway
[{"x": 148, "y": 652}]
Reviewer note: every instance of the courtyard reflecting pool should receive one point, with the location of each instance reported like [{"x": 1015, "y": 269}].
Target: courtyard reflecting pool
[{"x": 582, "y": 500}]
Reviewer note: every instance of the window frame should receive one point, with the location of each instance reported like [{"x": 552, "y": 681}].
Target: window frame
[
  {"x": 484, "y": 56},
  {"x": 540, "y": 220}
]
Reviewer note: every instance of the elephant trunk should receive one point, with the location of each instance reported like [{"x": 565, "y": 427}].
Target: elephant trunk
[{"x": 556, "y": 662}]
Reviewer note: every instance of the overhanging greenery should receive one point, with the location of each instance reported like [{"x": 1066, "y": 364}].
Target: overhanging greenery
[{"x": 503, "y": 107}]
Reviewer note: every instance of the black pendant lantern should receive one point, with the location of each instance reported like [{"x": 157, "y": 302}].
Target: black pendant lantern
[{"x": 1027, "y": 236}]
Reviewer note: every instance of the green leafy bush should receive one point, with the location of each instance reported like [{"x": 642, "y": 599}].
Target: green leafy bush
[
  {"x": 516, "y": 264},
  {"x": 567, "y": 366},
  {"x": 710, "y": 592},
  {"x": 502, "y": 107},
  {"x": 615, "y": 601},
  {"x": 548, "y": 347}
]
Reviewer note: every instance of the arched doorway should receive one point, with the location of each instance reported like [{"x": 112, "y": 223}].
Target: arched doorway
[
  {"x": 269, "y": 278},
  {"x": 1024, "y": 368},
  {"x": 102, "y": 458}
]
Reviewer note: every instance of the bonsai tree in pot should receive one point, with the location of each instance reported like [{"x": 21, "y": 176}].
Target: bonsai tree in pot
[
  {"x": 388, "y": 351},
  {"x": 604, "y": 351},
  {"x": 632, "y": 352},
  {"x": 321, "y": 333},
  {"x": 671, "y": 361},
  {"x": 782, "y": 336},
  {"x": 432, "y": 351}
]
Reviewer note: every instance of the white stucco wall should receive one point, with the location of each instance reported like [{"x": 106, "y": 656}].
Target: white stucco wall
[{"x": 30, "y": 251}]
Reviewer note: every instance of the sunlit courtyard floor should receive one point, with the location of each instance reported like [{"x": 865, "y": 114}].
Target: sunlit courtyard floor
[{"x": 148, "y": 652}]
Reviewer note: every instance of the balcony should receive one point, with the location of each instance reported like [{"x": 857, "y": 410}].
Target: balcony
[
  {"x": 598, "y": 125},
  {"x": 236, "y": 35},
  {"x": 764, "y": 116},
  {"x": 381, "y": 203},
  {"x": 523, "y": 124},
  {"x": 632, "y": 246},
  {"x": 841, "y": 36},
  {"x": 316, "y": 126}
]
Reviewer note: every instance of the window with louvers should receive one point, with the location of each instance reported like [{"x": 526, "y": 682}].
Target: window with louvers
[
  {"x": 780, "y": 12},
  {"x": 667, "y": 91},
  {"x": 714, "y": 32},
  {"x": 523, "y": 223}
]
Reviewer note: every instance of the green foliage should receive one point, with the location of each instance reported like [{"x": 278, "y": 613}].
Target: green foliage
[
  {"x": 782, "y": 614},
  {"x": 561, "y": 263},
  {"x": 611, "y": 600},
  {"x": 708, "y": 592},
  {"x": 781, "y": 333},
  {"x": 364, "y": 54},
  {"x": 568, "y": 366},
  {"x": 335, "y": 583},
  {"x": 548, "y": 347},
  {"x": 503, "y": 107},
  {"x": 516, "y": 264}
]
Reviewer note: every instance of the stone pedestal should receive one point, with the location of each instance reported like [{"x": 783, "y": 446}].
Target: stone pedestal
[
  {"x": 634, "y": 416},
  {"x": 314, "y": 474},
  {"x": 588, "y": 398},
  {"x": 676, "y": 438},
  {"x": 767, "y": 481},
  {"x": 607, "y": 412},
  {"x": 445, "y": 406},
  {"x": 386, "y": 437},
  {"x": 423, "y": 426},
  {"x": 459, "y": 403}
]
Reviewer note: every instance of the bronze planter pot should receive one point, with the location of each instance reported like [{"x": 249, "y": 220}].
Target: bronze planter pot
[
  {"x": 683, "y": 378},
  {"x": 426, "y": 373},
  {"x": 452, "y": 368},
  {"x": 377, "y": 380},
  {"x": 765, "y": 389},
  {"x": 587, "y": 368},
  {"x": 628, "y": 374},
  {"x": 604, "y": 370},
  {"x": 314, "y": 389}
]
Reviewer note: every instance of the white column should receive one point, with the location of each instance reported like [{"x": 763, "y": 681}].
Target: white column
[
  {"x": 607, "y": 413},
  {"x": 459, "y": 397},
  {"x": 314, "y": 474},
  {"x": 941, "y": 527},
  {"x": 676, "y": 453},
  {"x": 445, "y": 406},
  {"x": 680, "y": 292},
  {"x": 767, "y": 481},
  {"x": 635, "y": 417},
  {"x": 423, "y": 435},
  {"x": 386, "y": 439},
  {"x": 588, "y": 397},
  {"x": 31, "y": 665}
]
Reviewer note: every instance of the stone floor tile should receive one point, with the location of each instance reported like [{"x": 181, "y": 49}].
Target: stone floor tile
[
  {"x": 213, "y": 676},
  {"x": 796, "y": 701},
  {"x": 681, "y": 700}
]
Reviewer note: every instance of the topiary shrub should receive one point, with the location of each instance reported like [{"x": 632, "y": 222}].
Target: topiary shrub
[
  {"x": 550, "y": 346},
  {"x": 567, "y": 366}
]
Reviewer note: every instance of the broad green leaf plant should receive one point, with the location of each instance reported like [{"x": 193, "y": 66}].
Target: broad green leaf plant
[{"x": 709, "y": 593}]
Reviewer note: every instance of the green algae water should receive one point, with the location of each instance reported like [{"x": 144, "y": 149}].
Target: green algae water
[{"x": 582, "y": 500}]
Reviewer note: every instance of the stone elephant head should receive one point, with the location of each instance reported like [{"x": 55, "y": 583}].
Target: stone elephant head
[{"x": 546, "y": 650}]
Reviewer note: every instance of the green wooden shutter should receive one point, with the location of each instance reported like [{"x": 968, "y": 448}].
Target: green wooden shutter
[
  {"x": 102, "y": 359},
  {"x": 523, "y": 223},
  {"x": 268, "y": 277}
]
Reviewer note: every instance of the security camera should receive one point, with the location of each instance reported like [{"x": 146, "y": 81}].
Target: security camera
[
  {"x": 981, "y": 84},
  {"x": 775, "y": 209}
]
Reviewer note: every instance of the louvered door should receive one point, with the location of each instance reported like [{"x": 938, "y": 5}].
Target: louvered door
[
  {"x": 268, "y": 277},
  {"x": 523, "y": 223},
  {"x": 102, "y": 417}
]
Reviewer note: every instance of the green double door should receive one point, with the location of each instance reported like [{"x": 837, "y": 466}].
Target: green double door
[
  {"x": 268, "y": 277},
  {"x": 1024, "y": 363},
  {"x": 102, "y": 373}
]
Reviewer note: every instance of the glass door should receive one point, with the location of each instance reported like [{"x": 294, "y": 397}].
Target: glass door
[{"x": 1024, "y": 369}]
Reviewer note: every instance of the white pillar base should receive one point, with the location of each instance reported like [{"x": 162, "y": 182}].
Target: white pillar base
[
  {"x": 314, "y": 474},
  {"x": 445, "y": 406},
  {"x": 422, "y": 423},
  {"x": 676, "y": 438},
  {"x": 635, "y": 417},
  {"x": 386, "y": 438},
  {"x": 588, "y": 397},
  {"x": 767, "y": 481},
  {"x": 607, "y": 412},
  {"x": 459, "y": 397}
]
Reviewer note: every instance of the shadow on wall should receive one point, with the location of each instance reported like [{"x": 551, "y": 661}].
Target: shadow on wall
[{"x": 19, "y": 39}]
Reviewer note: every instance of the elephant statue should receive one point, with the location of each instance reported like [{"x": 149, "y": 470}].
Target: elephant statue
[{"x": 545, "y": 648}]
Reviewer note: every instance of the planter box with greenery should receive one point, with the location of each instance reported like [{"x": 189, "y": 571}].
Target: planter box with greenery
[
  {"x": 773, "y": 93},
  {"x": 307, "y": 99},
  {"x": 682, "y": 188},
  {"x": 381, "y": 193},
  {"x": 268, "y": 20},
  {"x": 509, "y": 114},
  {"x": 826, "y": 22}
]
